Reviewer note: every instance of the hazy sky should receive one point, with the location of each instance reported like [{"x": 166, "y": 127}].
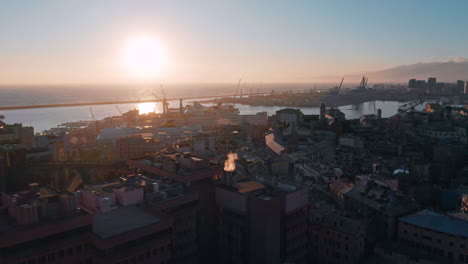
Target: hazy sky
[{"x": 58, "y": 41}]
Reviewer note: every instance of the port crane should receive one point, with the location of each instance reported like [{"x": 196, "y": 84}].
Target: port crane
[
  {"x": 164, "y": 101},
  {"x": 363, "y": 84},
  {"x": 408, "y": 106},
  {"x": 338, "y": 88},
  {"x": 235, "y": 94},
  {"x": 94, "y": 118},
  {"x": 341, "y": 83}
]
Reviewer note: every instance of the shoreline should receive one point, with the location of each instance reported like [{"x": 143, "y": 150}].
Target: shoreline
[{"x": 328, "y": 100}]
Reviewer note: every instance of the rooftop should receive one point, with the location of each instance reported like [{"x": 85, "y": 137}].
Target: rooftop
[
  {"x": 272, "y": 142},
  {"x": 377, "y": 194},
  {"x": 249, "y": 186},
  {"x": 438, "y": 222},
  {"x": 336, "y": 222},
  {"x": 118, "y": 221}
]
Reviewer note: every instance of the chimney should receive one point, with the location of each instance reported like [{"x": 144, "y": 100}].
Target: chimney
[
  {"x": 181, "y": 106},
  {"x": 230, "y": 176},
  {"x": 234, "y": 180}
]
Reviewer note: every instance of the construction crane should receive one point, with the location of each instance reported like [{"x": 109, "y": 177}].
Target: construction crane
[{"x": 96, "y": 122}]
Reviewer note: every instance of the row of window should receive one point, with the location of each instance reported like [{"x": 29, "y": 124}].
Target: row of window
[
  {"x": 435, "y": 251},
  {"x": 54, "y": 256},
  {"x": 438, "y": 240},
  {"x": 142, "y": 257}
]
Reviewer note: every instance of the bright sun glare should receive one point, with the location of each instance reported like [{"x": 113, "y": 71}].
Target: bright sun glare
[
  {"x": 144, "y": 57},
  {"x": 145, "y": 108}
]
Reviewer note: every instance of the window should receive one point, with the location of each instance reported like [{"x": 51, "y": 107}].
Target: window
[
  {"x": 78, "y": 249},
  {"x": 462, "y": 245},
  {"x": 42, "y": 259},
  {"x": 70, "y": 252},
  {"x": 451, "y": 244},
  {"x": 427, "y": 238},
  {"x": 51, "y": 257}
]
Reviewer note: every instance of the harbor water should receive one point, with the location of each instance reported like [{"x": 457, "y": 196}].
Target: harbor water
[{"x": 46, "y": 118}]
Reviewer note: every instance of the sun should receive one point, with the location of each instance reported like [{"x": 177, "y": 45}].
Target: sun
[{"x": 144, "y": 56}]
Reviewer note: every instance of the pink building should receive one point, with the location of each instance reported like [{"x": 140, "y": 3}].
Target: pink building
[
  {"x": 101, "y": 198},
  {"x": 128, "y": 194}
]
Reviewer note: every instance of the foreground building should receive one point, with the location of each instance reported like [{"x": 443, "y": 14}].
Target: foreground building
[
  {"x": 41, "y": 225},
  {"x": 257, "y": 223},
  {"x": 130, "y": 220}
]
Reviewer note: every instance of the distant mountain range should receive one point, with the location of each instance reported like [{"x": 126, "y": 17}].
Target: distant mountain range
[{"x": 443, "y": 71}]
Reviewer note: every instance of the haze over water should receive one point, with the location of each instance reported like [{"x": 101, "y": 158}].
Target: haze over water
[{"x": 46, "y": 118}]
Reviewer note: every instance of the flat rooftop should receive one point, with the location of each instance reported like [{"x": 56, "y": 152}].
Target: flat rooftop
[
  {"x": 122, "y": 220},
  {"x": 249, "y": 186},
  {"x": 438, "y": 222}
]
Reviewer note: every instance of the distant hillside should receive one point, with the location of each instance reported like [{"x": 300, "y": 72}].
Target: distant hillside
[{"x": 443, "y": 71}]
